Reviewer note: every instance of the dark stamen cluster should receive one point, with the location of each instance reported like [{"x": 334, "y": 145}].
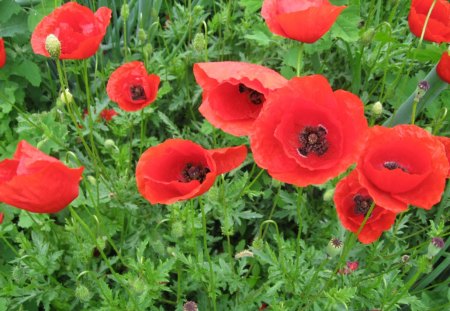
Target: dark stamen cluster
[
  {"x": 194, "y": 172},
  {"x": 254, "y": 97},
  {"x": 137, "y": 92},
  {"x": 392, "y": 165},
  {"x": 313, "y": 139},
  {"x": 362, "y": 204}
]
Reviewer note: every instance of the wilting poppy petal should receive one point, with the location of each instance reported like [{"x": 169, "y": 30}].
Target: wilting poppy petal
[
  {"x": 234, "y": 93},
  {"x": 443, "y": 67},
  {"x": 438, "y": 26},
  {"x": 179, "y": 169},
  {"x": 36, "y": 182},
  {"x": 352, "y": 204},
  {"x": 2, "y": 53},
  {"x": 78, "y": 29},
  {"x": 131, "y": 87},
  {"x": 403, "y": 165},
  {"x": 304, "y": 21},
  {"x": 308, "y": 134}
]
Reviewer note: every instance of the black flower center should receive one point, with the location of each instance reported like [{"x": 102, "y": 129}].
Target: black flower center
[
  {"x": 392, "y": 165},
  {"x": 362, "y": 204},
  {"x": 137, "y": 92},
  {"x": 254, "y": 97},
  {"x": 194, "y": 172},
  {"x": 313, "y": 140}
]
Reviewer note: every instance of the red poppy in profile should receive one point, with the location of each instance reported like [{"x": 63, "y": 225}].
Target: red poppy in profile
[
  {"x": 443, "y": 67},
  {"x": 352, "y": 205},
  {"x": 179, "y": 169},
  {"x": 36, "y": 182},
  {"x": 446, "y": 142},
  {"x": 403, "y": 165},
  {"x": 131, "y": 87},
  {"x": 2, "y": 53},
  {"x": 438, "y": 26},
  {"x": 234, "y": 93},
  {"x": 304, "y": 21},
  {"x": 308, "y": 134},
  {"x": 78, "y": 29}
]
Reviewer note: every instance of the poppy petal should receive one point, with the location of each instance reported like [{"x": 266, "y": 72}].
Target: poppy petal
[{"x": 227, "y": 159}]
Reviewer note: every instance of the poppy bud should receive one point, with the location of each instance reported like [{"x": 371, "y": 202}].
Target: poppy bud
[
  {"x": 148, "y": 49},
  {"x": 66, "y": 97},
  {"x": 92, "y": 180},
  {"x": 377, "y": 109},
  {"x": 436, "y": 245},
  {"x": 53, "y": 46},
  {"x": 83, "y": 293},
  {"x": 258, "y": 243},
  {"x": 367, "y": 36},
  {"x": 328, "y": 195},
  {"x": 190, "y": 306},
  {"x": 244, "y": 253},
  {"x": 110, "y": 144},
  {"x": 125, "y": 11},
  {"x": 177, "y": 229},
  {"x": 142, "y": 35},
  {"x": 334, "y": 247},
  {"x": 199, "y": 42},
  {"x": 422, "y": 88}
]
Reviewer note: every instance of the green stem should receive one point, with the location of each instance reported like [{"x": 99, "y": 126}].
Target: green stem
[{"x": 300, "y": 59}]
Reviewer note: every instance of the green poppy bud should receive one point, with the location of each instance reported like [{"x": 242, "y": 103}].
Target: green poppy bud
[
  {"x": 53, "y": 46},
  {"x": 66, "y": 97},
  {"x": 83, "y": 293}
]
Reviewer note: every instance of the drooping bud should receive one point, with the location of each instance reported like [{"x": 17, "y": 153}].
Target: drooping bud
[
  {"x": 83, "y": 293},
  {"x": 377, "y": 109},
  {"x": 142, "y": 35},
  {"x": 53, "y": 46},
  {"x": 334, "y": 247},
  {"x": 258, "y": 243},
  {"x": 177, "y": 229},
  {"x": 92, "y": 180},
  {"x": 110, "y": 144},
  {"x": 125, "y": 11},
  {"x": 66, "y": 97},
  {"x": 436, "y": 245},
  {"x": 367, "y": 36},
  {"x": 199, "y": 42}
]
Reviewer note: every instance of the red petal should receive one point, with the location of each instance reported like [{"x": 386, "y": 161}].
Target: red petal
[
  {"x": 443, "y": 67},
  {"x": 438, "y": 26},
  {"x": 446, "y": 142},
  {"x": 2, "y": 53},
  {"x": 227, "y": 159}
]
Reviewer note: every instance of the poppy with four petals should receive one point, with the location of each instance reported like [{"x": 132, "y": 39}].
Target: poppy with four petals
[
  {"x": 78, "y": 29},
  {"x": 353, "y": 202},
  {"x": 443, "y": 67},
  {"x": 308, "y": 134},
  {"x": 131, "y": 87},
  {"x": 180, "y": 169},
  {"x": 403, "y": 165},
  {"x": 36, "y": 182},
  {"x": 304, "y": 21},
  {"x": 2, "y": 53},
  {"x": 438, "y": 26},
  {"x": 234, "y": 93}
]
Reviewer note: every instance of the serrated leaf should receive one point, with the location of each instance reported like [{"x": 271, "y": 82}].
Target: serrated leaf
[
  {"x": 346, "y": 26},
  {"x": 17, "y": 24},
  {"x": 25, "y": 220},
  {"x": 29, "y": 71}
]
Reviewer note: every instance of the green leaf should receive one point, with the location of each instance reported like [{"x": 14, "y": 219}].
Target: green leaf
[
  {"x": 17, "y": 24},
  {"x": 7, "y": 9},
  {"x": 25, "y": 220},
  {"x": 29, "y": 71},
  {"x": 346, "y": 26}
]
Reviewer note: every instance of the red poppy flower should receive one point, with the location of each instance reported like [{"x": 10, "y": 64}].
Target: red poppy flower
[
  {"x": 1, "y": 218},
  {"x": 77, "y": 28},
  {"x": 180, "y": 169},
  {"x": 307, "y": 133},
  {"x": 304, "y": 21},
  {"x": 131, "y": 87},
  {"x": 234, "y": 93},
  {"x": 36, "y": 182},
  {"x": 446, "y": 142},
  {"x": 108, "y": 114},
  {"x": 438, "y": 26},
  {"x": 2, "y": 53},
  {"x": 352, "y": 204},
  {"x": 403, "y": 165},
  {"x": 443, "y": 67}
]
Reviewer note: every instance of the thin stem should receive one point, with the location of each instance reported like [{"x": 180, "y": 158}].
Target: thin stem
[{"x": 300, "y": 59}]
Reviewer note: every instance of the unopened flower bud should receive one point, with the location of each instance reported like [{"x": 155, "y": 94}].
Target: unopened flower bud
[
  {"x": 190, "y": 306},
  {"x": 177, "y": 229},
  {"x": 142, "y": 35},
  {"x": 334, "y": 247},
  {"x": 66, "y": 97},
  {"x": 110, "y": 144},
  {"x": 367, "y": 36},
  {"x": 148, "y": 50},
  {"x": 377, "y": 109},
  {"x": 244, "y": 253},
  {"x": 125, "y": 11},
  {"x": 258, "y": 243},
  {"x": 83, "y": 293},
  {"x": 53, "y": 46},
  {"x": 199, "y": 42},
  {"x": 92, "y": 180},
  {"x": 422, "y": 88},
  {"x": 436, "y": 245},
  {"x": 328, "y": 195}
]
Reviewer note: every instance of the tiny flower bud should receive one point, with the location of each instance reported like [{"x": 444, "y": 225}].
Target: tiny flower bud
[
  {"x": 352, "y": 265},
  {"x": 92, "y": 180},
  {"x": 199, "y": 42},
  {"x": 110, "y": 144},
  {"x": 377, "y": 109},
  {"x": 328, "y": 195},
  {"x": 436, "y": 245},
  {"x": 177, "y": 229},
  {"x": 53, "y": 46},
  {"x": 125, "y": 11},
  {"x": 334, "y": 247},
  {"x": 83, "y": 293},
  {"x": 405, "y": 258},
  {"x": 190, "y": 306},
  {"x": 142, "y": 35},
  {"x": 66, "y": 97},
  {"x": 244, "y": 253},
  {"x": 367, "y": 36},
  {"x": 258, "y": 243},
  {"x": 148, "y": 50},
  {"x": 422, "y": 88}
]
